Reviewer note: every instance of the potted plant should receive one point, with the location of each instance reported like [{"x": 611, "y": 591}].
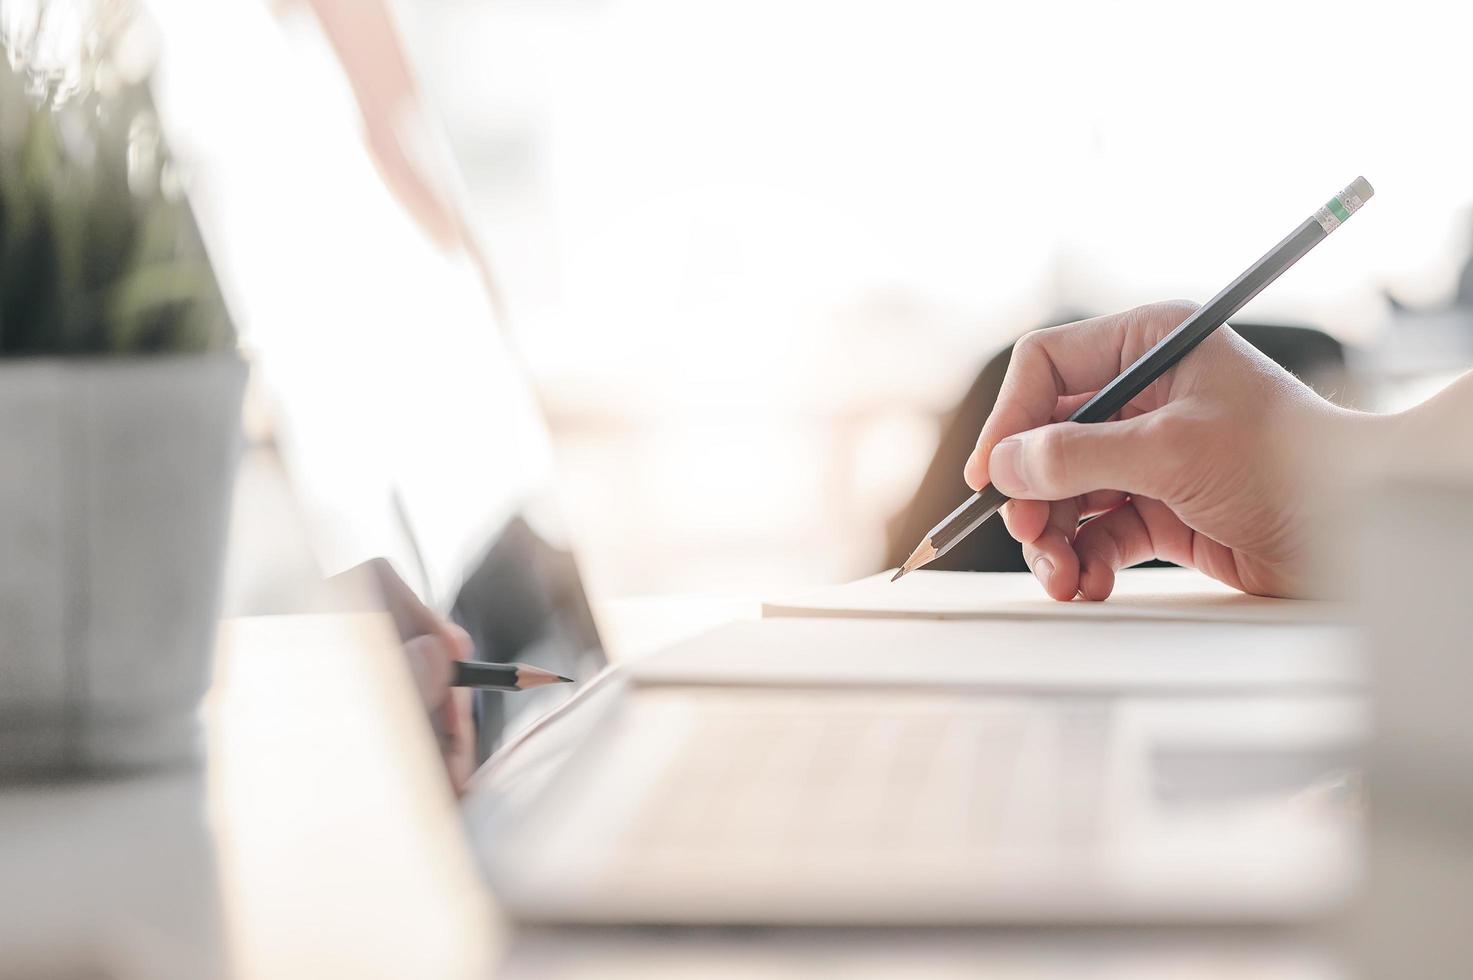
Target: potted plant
[{"x": 120, "y": 399}]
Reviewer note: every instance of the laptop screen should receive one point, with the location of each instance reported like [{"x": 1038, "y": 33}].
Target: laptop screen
[{"x": 404, "y": 418}]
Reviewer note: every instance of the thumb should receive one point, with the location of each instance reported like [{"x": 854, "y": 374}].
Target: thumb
[
  {"x": 1066, "y": 459},
  {"x": 456, "y": 640},
  {"x": 430, "y": 663}
]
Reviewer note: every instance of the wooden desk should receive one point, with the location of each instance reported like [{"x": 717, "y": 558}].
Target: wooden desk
[
  {"x": 321, "y": 841},
  {"x": 339, "y": 842}
]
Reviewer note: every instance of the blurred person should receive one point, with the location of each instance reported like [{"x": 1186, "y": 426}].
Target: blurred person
[
  {"x": 1190, "y": 472},
  {"x": 519, "y": 598},
  {"x": 400, "y": 139}
]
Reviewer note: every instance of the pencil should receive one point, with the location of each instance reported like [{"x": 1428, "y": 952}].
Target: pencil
[
  {"x": 1159, "y": 359},
  {"x": 503, "y": 677}
]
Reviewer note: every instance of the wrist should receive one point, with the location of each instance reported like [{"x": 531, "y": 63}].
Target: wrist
[
  {"x": 1429, "y": 441},
  {"x": 1326, "y": 454},
  {"x": 1433, "y": 440}
]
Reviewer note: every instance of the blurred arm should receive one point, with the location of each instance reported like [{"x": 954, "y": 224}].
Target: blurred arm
[{"x": 366, "y": 42}]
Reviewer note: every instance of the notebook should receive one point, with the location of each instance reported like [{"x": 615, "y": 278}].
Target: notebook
[
  {"x": 1011, "y": 655},
  {"x": 1180, "y": 594}
]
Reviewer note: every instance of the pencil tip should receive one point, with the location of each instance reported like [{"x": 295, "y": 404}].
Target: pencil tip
[
  {"x": 924, "y": 552},
  {"x": 529, "y": 677}
]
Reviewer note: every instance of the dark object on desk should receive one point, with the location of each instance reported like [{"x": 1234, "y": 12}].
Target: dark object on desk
[
  {"x": 1166, "y": 354},
  {"x": 525, "y": 602},
  {"x": 503, "y": 677},
  {"x": 1315, "y": 357}
]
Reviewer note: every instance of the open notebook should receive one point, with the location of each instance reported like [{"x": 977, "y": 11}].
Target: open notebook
[{"x": 1141, "y": 593}]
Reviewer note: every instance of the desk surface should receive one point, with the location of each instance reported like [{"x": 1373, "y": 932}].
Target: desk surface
[{"x": 320, "y": 840}]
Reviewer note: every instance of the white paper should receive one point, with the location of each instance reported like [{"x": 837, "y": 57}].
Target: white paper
[
  {"x": 1013, "y": 655},
  {"x": 1141, "y": 593}
]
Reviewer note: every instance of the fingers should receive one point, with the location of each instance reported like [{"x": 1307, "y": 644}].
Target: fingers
[
  {"x": 456, "y": 730},
  {"x": 1052, "y": 557},
  {"x": 1136, "y": 531},
  {"x": 1069, "y": 360},
  {"x": 1109, "y": 542},
  {"x": 1099, "y": 502},
  {"x": 1025, "y": 519},
  {"x": 456, "y": 640},
  {"x": 431, "y": 661},
  {"x": 1072, "y": 559},
  {"x": 1069, "y": 558},
  {"x": 1067, "y": 405},
  {"x": 1068, "y": 459}
]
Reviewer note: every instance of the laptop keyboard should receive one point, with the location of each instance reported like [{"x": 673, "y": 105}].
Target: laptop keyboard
[
  {"x": 817, "y": 774},
  {"x": 706, "y": 804}
]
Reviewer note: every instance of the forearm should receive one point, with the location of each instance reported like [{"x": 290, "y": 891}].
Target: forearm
[
  {"x": 1349, "y": 451},
  {"x": 1438, "y": 434}
]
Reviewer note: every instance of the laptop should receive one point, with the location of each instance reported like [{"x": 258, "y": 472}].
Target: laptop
[{"x": 677, "y": 795}]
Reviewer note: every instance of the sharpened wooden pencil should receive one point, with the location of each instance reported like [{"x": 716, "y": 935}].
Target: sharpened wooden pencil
[{"x": 503, "y": 677}]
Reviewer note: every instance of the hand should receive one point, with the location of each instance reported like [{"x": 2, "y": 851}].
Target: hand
[
  {"x": 432, "y": 644},
  {"x": 1190, "y": 471}
]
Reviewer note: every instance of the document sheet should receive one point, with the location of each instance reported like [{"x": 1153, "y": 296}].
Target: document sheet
[
  {"x": 1161, "y": 657},
  {"x": 1181, "y": 594}
]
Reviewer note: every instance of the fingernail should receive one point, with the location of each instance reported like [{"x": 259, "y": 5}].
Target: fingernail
[
  {"x": 1003, "y": 468},
  {"x": 1044, "y": 570},
  {"x": 972, "y": 472}
]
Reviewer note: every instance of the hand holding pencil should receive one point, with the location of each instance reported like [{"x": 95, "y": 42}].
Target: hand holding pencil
[
  {"x": 438, "y": 653},
  {"x": 1099, "y": 420},
  {"x": 1191, "y": 471}
]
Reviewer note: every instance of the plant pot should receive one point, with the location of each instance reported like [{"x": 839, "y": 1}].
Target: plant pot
[{"x": 115, "y": 485}]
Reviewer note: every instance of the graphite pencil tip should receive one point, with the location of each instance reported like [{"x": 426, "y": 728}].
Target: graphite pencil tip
[
  {"x": 529, "y": 677},
  {"x": 924, "y": 552},
  {"x": 898, "y": 572}
]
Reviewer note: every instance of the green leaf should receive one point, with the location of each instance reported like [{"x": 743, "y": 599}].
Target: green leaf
[{"x": 91, "y": 262}]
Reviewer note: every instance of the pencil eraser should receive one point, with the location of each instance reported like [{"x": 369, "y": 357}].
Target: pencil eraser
[{"x": 1338, "y": 209}]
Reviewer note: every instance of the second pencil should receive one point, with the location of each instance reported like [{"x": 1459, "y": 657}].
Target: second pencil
[{"x": 503, "y": 677}]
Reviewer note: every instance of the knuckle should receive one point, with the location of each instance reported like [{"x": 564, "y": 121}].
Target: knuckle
[
  {"x": 1180, "y": 308},
  {"x": 1028, "y": 346},
  {"x": 1174, "y": 440},
  {"x": 1097, "y": 538},
  {"x": 1169, "y": 433},
  {"x": 1164, "y": 315},
  {"x": 1050, "y": 465}
]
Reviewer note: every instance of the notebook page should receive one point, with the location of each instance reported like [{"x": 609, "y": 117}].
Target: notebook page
[{"x": 1142, "y": 593}]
